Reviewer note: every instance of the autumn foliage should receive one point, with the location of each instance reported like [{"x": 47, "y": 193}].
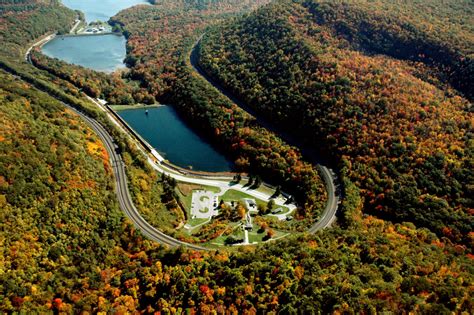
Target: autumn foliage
[
  {"x": 396, "y": 127},
  {"x": 66, "y": 247}
]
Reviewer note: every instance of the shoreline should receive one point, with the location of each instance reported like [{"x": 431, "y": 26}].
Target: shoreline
[
  {"x": 119, "y": 108},
  {"x": 89, "y": 34},
  {"x": 156, "y": 160}
]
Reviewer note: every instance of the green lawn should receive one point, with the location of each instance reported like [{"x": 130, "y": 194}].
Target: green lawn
[
  {"x": 211, "y": 188},
  {"x": 230, "y": 195},
  {"x": 237, "y": 232},
  {"x": 195, "y": 222},
  {"x": 186, "y": 200},
  {"x": 235, "y": 195},
  {"x": 204, "y": 198},
  {"x": 254, "y": 236},
  {"x": 262, "y": 188},
  {"x": 205, "y": 210}
]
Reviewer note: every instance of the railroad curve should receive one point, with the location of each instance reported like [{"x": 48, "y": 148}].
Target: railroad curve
[{"x": 329, "y": 214}]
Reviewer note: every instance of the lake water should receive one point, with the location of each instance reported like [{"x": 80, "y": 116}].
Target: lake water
[
  {"x": 162, "y": 127},
  {"x": 169, "y": 135},
  {"x": 99, "y": 52},
  {"x": 101, "y": 10}
]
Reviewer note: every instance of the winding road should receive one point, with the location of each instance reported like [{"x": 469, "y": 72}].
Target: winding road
[
  {"x": 329, "y": 214},
  {"x": 76, "y": 24},
  {"x": 122, "y": 191},
  {"x": 123, "y": 194}
]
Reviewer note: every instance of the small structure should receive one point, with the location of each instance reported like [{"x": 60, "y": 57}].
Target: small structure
[
  {"x": 101, "y": 101},
  {"x": 251, "y": 204},
  {"x": 157, "y": 155},
  {"x": 248, "y": 222},
  {"x": 277, "y": 211}
]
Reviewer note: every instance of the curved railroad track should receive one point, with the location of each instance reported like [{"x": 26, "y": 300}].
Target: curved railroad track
[
  {"x": 122, "y": 191},
  {"x": 329, "y": 214}
]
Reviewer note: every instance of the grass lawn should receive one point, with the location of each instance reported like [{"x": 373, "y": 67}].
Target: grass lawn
[
  {"x": 256, "y": 237},
  {"x": 235, "y": 195},
  {"x": 205, "y": 210},
  {"x": 262, "y": 188},
  {"x": 185, "y": 193},
  {"x": 195, "y": 223},
  {"x": 187, "y": 189},
  {"x": 237, "y": 232},
  {"x": 186, "y": 200}
]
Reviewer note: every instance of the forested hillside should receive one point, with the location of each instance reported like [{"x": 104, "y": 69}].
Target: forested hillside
[
  {"x": 438, "y": 33},
  {"x": 66, "y": 246},
  {"x": 115, "y": 88},
  {"x": 60, "y": 221},
  {"x": 158, "y": 35},
  {"x": 23, "y": 21},
  {"x": 159, "y": 40},
  {"x": 156, "y": 38},
  {"x": 404, "y": 135}
]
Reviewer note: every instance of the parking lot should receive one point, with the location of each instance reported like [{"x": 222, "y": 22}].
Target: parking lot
[{"x": 203, "y": 204}]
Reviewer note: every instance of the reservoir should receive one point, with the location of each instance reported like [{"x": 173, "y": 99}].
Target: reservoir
[
  {"x": 101, "y": 10},
  {"x": 162, "y": 127},
  {"x": 98, "y": 52},
  {"x": 103, "y": 53},
  {"x": 169, "y": 135}
]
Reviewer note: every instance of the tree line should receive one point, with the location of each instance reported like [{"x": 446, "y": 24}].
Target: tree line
[{"x": 405, "y": 141}]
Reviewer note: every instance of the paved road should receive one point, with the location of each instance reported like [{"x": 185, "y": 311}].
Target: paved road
[
  {"x": 121, "y": 187},
  {"x": 122, "y": 191},
  {"x": 329, "y": 214},
  {"x": 224, "y": 185},
  {"x": 73, "y": 29},
  {"x": 40, "y": 42},
  {"x": 123, "y": 194},
  {"x": 126, "y": 203}
]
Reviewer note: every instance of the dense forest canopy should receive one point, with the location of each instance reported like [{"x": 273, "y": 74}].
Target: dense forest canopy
[
  {"x": 65, "y": 246},
  {"x": 158, "y": 35},
  {"x": 405, "y": 136},
  {"x": 22, "y": 22},
  {"x": 435, "y": 32},
  {"x": 159, "y": 39}
]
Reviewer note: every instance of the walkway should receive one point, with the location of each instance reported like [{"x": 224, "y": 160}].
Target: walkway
[
  {"x": 329, "y": 214},
  {"x": 125, "y": 200}
]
